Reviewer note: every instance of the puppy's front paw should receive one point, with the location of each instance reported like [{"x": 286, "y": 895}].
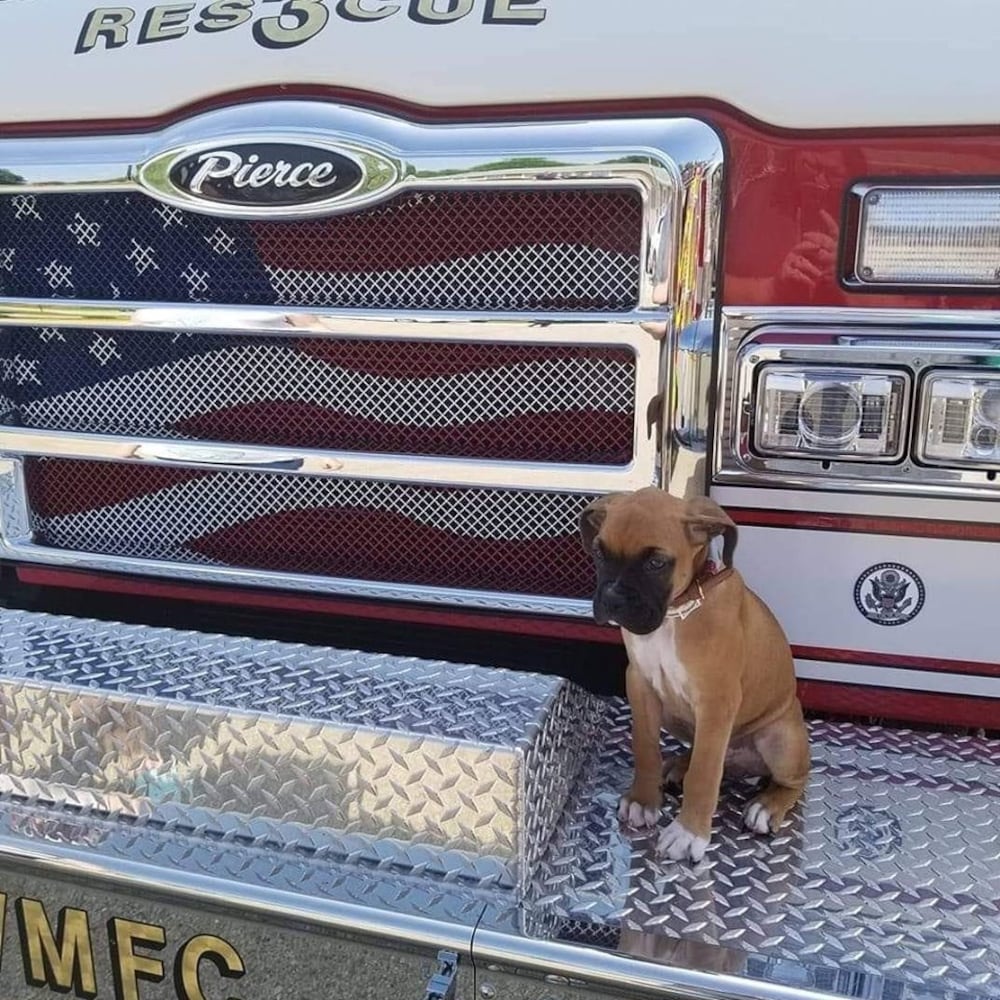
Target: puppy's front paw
[
  {"x": 678, "y": 843},
  {"x": 638, "y": 812},
  {"x": 767, "y": 811},
  {"x": 757, "y": 817}
]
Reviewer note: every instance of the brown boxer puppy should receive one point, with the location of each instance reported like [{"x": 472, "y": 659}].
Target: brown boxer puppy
[{"x": 707, "y": 661}]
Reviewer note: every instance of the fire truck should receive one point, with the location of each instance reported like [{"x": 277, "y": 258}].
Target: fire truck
[{"x": 322, "y": 321}]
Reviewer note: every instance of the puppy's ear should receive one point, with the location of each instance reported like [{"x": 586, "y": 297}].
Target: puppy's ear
[
  {"x": 704, "y": 519},
  {"x": 592, "y": 517}
]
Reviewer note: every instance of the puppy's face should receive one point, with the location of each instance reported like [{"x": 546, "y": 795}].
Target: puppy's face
[{"x": 647, "y": 547}]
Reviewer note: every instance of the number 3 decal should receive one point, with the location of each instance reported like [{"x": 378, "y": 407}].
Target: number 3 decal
[{"x": 310, "y": 19}]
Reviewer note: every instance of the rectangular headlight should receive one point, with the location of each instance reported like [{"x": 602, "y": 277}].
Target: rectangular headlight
[
  {"x": 827, "y": 412},
  {"x": 961, "y": 419},
  {"x": 929, "y": 236}
]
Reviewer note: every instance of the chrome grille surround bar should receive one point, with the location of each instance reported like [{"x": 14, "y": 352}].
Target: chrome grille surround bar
[{"x": 674, "y": 164}]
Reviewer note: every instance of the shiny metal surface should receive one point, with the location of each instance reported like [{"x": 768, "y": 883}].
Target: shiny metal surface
[
  {"x": 258, "y": 878},
  {"x": 883, "y": 885},
  {"x": 153, "y": 536},
  {"x": 540, "y": 511},
  {"x": 259, "y": 374},
  {"x": 915, "y": 341},
  {"x": 948, "y": 322},
  {"x": 346, "y": 465},
  {"x": 510, "y": 402},
  {"x": 646, "y": 154},
  {"x": 675, "y": 166},
  {"x": 686, "y": 436},
  {"x": 416, "y": 765},
  {"x": 237, "y": 320},
  {"x": 378, "y": 174},
  {"x": 695, "y": 345},
  {"x": 687, "y": 400}
]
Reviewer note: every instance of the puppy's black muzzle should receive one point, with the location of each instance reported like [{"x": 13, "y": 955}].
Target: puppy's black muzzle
[
  {"x": 619, "y": 604},
  {"x": 611, "y": 603}
]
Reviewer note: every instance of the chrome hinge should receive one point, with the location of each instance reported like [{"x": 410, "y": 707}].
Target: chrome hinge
[{"x": 443, "y": 983}]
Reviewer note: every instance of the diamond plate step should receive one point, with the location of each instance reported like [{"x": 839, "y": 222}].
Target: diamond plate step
[
  {"x": 883, "y": 884},
  {"x": 415, "y": 765},
  {"x": 183, "y": 763}
]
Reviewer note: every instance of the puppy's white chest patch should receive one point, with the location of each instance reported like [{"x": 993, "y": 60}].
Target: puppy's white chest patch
[{"x": 655, "y": 656}]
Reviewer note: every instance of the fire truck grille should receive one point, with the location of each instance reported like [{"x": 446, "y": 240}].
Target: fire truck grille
[
  {"x": 494, "y": 401},
  {"x": 485, "y": 539},
  {"x": 478, "y": 251}
]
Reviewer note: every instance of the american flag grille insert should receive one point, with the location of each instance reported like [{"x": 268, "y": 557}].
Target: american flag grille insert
[
  {"x": 543, "y": 249},
  {"x": 512, "y": 541},
  {"x": 569, "y": 403}
]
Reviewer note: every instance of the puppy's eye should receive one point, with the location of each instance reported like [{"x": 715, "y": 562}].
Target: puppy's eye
[
  {"x": 598, "y": 553},
  {"x": 654, "y": 564}
]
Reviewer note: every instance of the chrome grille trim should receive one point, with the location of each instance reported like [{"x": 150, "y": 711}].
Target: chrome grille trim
[
  {"x": 20, "y": 545},
  {"x": 424, "y": 469},
  {"x": 647, "y": 155},
  {"x": 675, "y": 166},
  {"x": 566, "y": 403}
]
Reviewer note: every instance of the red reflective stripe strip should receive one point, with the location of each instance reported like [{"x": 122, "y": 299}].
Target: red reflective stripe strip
[
  {"x": 896, "y": 660},
  {"x": 967, "y": 531},
  {"x": 895, "y": 704}
]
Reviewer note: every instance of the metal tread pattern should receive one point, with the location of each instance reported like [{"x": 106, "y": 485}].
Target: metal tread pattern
[
  {"x": 883, "y": 884},
  {"x": 424, "y": 766},
  {"x": 320, "y": 877}
]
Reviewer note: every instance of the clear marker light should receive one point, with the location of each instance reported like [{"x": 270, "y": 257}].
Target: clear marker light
[
  {"x": 839, "y": 413},
  {"x": 961, "y": 420},
  {"x": 929, "y": 236}
]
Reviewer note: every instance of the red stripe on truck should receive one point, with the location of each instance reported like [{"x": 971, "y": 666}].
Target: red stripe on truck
[{"x": 965, "y": 531}]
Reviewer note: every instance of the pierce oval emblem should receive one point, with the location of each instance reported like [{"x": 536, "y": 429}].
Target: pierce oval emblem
[
  {"x": 266, "y": 174},
  {"x": 267, "y": 178}
]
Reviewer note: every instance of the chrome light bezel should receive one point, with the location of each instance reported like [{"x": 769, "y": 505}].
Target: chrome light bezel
[{"x": 912, "y": 340}]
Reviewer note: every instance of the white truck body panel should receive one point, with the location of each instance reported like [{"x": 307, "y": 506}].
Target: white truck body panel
[{"x": 792, "y": 65}]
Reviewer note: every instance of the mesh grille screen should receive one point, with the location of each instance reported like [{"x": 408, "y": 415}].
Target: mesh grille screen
[
  {"x": 565, "y": 403},
  {"x": 471, "y": 539},
  {"x": 542, "y": 249}
]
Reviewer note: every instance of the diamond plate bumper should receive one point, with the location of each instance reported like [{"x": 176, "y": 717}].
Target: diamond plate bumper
[
  {"x": 456, "y": 770},
  {"x": 884, "y": 884}
]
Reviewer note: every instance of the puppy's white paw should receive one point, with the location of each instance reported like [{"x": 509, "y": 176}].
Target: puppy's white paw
[
  {"x": 757, "y": 817},
  {"x": 678, "y": 843},
  {"x": 635, "y": 814}
]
